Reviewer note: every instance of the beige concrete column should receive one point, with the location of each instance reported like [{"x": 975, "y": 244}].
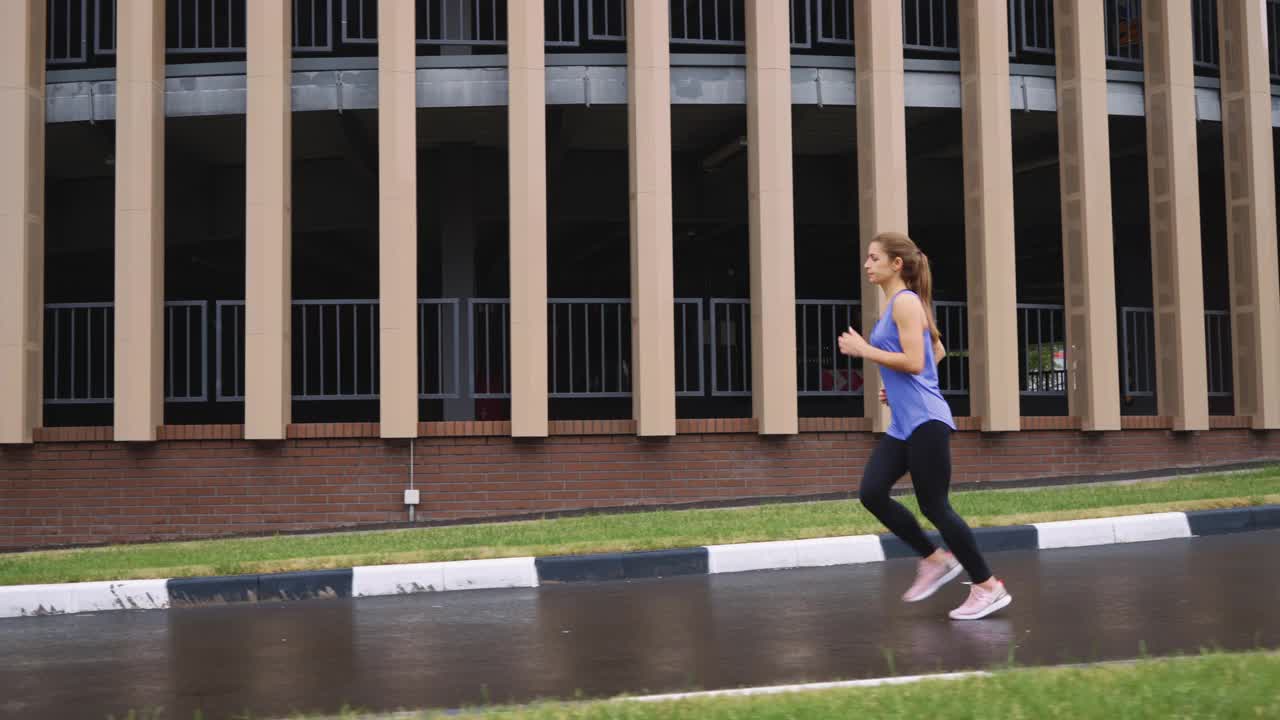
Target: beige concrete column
[
  {"x": 771, "y": 209},
  {"x": 988, "y": 216},
  {"x": 22, "y": 51},
  {"x": 653, "y": 383},
  {"x": 1093, "y": 383},
  {"x": 1173, "y": 185},
  {"x": 397, "y": 219},
  {"x": 268, "y": 400},
  {"x": 527, "y": 175},
  {"x": 882, "y": 158},
  {"x": 1251, "y": 211},
  {"x": 139, "y": 306}
]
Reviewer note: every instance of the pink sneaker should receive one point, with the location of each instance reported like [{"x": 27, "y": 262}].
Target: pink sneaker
[
  {"x": 929, "y": 577},
  {"x": 982, "y": 602}
]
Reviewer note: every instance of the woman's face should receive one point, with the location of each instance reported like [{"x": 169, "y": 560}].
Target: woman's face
[{"x": 880, "y": 268}]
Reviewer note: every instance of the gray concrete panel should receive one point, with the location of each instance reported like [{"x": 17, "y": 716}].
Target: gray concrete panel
[{"x": 90, "y": 95}]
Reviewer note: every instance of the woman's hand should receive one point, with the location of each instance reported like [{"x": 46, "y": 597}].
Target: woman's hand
[
  {"x": 852, "y": 344},
  {"x": 884, "y": 398}
]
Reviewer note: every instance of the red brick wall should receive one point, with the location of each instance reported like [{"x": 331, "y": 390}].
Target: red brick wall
[{"x": 79, "y": 487}]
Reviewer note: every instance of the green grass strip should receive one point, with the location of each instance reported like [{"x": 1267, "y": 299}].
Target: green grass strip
[
  {"x": 1241, "y": 685},
  {"x": 621, "y": 532}
]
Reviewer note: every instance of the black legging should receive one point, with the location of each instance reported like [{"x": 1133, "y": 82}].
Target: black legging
[{"x": 927, "y": 455}]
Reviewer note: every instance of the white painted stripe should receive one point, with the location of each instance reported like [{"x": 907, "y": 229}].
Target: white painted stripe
[
  {"x": 122, "y": 595},
  {"x": 1157, "y": 526},
  {"x": 481, "y": 574},
  {"x": 434, "y": 577},
  {"x": 397, "y": 579},
  {"x": 809, "y": 687},
  {"x": 822, "y": 552},
  {"x": 1106, "y": 531},
  {"x": 25, "y": 600},
  {"x": 750, "y": 556},
  {"x": 66, "y": 598},
  {"x": 818, "y": 552},
  {"x": 1076, "y": 533}
]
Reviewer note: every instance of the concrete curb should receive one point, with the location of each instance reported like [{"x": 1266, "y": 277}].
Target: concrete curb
[{"x": 528, "y": 572}]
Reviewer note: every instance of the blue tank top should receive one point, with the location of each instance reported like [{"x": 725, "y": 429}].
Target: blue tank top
[{"x": 913, "y": 399}]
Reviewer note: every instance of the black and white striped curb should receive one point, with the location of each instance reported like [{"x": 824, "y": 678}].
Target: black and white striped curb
[{"x": 528, "y": 572}]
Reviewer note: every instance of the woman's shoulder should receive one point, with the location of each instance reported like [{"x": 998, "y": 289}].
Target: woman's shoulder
[{"x": 906, "y": 300}]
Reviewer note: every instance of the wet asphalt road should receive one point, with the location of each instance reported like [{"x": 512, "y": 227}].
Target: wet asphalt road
[{"x": 702, "y": 632}]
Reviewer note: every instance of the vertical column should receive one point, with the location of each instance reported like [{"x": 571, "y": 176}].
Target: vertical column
[
  {"x": 653, "y": 388},
  {"x": 1173, "y": 181},
  {"x": 1251, "y": 211},
  {"x": 772, "y": 218},
  {"x": 139, "y": 274},
  {"x": 1093, "y": 390},
  {"x": 22, "y": 24},
  {"x": 882, "y": 157},
  {"x": 988, "y": 215},
  {"x": 527, "y": 173},
  {"x": 268, "y": 220},
  {"x": 397, "y": 219}
]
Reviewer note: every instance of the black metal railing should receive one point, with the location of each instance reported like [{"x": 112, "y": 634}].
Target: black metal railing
[
  {"x": 1204, "y": 33},
  {"x": 1035, "y": 21},
  {"x": 83, "y": 32},
  {"x": 68, "y": 32},
  {"x": 1123, "y": 25},
  {"x": 835, "y": 22},
  {"x": 606, "y": 20},
  {"x": 468, "y": 22},
  {"x": 931, "y": 25},
  {"x": 215, "y": 27}
]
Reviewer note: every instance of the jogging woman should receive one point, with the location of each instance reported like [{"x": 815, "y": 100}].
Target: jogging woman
[{"x": 906, "y": 346}]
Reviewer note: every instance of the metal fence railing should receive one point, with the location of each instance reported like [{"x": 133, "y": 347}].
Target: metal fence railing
[
  {"x": 702, "y": 22},
  {"x": 953, "y": 325},
  {"x": 1204, "y": 33},
  {"x": 228, "y": 355},
  {"x": 440, "y": 340},
  {"x": 708, "y": 22},
  {"x": 215, "y": 27},
  {"x": 489, "y": 335},
  {"x": 590, "y": 347},
  {"x": 1137, "y": 351},
  {"x": 730, "y": 347},
  {"x": 821, "y": 369},
  {"x": 606, "y": 20},
  {"x": 467, "y": 22},
  {"x": 1042, "y": 349},
  {"x": 689, "y": 347},
  {"x": 68, "y": 32},
  {"x": 80, "y": 30},
  {"x": 1217, "y": 334},
  {"x": 1123, "y": 26},
  {"x": 1036, "y": 26},
  {"x": 79, "y": 362},
  {"x": 931, "y": 25},
  {"x": 186, "y": 330},
  {"x": 312, "y": 25},
  {"x": 335, "y": 349},
  {"x": 835, "y": 22},
  {"x": 207, "y": 26},
  {"x": 79, "y": 353}
]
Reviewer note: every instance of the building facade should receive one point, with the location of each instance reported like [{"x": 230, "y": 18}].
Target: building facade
[{"x": 270, "y": 264}]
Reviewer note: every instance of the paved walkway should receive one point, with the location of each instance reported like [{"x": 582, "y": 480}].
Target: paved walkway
[{"x": 697, "y": 632}]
